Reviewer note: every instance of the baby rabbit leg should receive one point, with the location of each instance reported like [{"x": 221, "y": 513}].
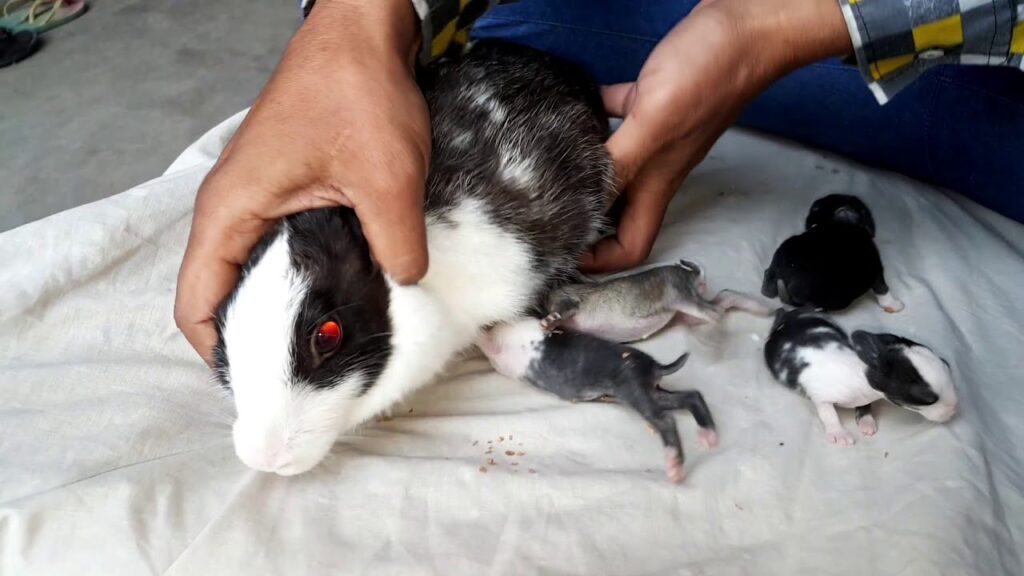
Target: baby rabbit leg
[
  {"x": 692, "y": 313},
  {"x": 693, "y": 402},
  {"x": 866, "y": 420},
  {"x": 834, "y": 431},
  {"x": 664, "y": 422},
  {"x": 884, "y": 297},
  {"x": 562, "y": 310},
  {"x": 730, "y": 300}
]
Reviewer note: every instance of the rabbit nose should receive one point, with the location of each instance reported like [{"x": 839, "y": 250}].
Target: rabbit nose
[{"x": 264, "y": 452}]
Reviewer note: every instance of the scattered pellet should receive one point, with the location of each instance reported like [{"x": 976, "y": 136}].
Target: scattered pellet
[
  {"x": 483, "y": 470},
  {"x": 510, "y": 453}
]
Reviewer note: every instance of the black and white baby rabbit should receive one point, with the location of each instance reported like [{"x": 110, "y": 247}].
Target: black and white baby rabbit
[
  {"x": 316, "y": 340},
  {"x": 808, "y": 352},
  {"x": 833, "y": 262}
]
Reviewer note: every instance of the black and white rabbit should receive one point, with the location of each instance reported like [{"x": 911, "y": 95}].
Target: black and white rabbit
[
  {"x": 833, "y": 262},
  {"x": 808, "y": 352},
  {"x": 316, "y": 340}
]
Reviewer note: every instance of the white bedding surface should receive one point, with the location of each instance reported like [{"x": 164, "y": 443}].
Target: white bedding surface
[{"x": 116, "y": 457}]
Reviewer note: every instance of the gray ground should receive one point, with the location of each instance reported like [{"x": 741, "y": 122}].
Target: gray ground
[{"x": 113, "y": 97}]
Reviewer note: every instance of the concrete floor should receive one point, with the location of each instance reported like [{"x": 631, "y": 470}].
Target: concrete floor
[{"x": 111, "y": 98}]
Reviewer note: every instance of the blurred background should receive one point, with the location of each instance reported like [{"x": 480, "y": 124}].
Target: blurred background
[{"x": 109, "y": 99}]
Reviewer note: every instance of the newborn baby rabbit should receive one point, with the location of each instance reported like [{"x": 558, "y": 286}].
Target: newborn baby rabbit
[
  {"x": 833, "y": 262},
  {"x": 633, "y": 307},
  {"x": 809, "y": 353},
  {"x": 579, "y": 367}
]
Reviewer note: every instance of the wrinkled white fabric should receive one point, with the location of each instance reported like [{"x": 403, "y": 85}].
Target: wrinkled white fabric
[{"x": 116, "y": 457}]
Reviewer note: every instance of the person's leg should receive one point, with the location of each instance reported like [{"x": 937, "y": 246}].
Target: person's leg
[
  {"x": 610, "y": 38},
  {"x": 958, "y": 127}
]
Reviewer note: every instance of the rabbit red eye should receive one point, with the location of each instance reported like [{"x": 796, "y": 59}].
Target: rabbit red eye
[{"x": 328, "y": 337}]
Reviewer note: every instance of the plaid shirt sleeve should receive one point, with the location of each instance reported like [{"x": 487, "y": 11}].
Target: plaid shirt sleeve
[
  {"x": 896, "y": 40},
  {"x": 444, "y": 24}
]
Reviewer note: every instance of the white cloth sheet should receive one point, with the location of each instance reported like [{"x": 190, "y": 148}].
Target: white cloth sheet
[{"x": 116, "y": 457}]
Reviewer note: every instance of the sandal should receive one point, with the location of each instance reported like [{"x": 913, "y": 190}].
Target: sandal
[
  {"x": 16, "y": 45},
  {"x": 40, "y": 15}
]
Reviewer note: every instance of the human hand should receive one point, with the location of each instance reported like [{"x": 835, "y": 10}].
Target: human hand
[
  {"x": 340, "y": 123},
  {"x": 691, "y": 88}
]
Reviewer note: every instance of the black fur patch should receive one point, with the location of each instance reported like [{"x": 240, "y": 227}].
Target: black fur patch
[
  {"x": 890, "y": 371},
  {"x": 841, "y": 209},
  {"x": 578, "y": 366},
  {"x": 328, "y": 247}
]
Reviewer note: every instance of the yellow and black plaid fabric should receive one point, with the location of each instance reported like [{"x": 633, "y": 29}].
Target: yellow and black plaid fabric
[
  {"x": 896, "y": 40},
  {"x": 446, "y": 23}
]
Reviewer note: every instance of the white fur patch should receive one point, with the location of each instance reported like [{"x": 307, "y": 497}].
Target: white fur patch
[
  {"x": 483, "y": 98},
  {"x": 518, "y": 170},
  {"x": 836, "y": 375},
  {"x": 258, "y": 328},
  {"x": 511, "y": 347},
  {"x": 463, "y": 139},
  {"x": 479, "y": 274},
  {"x": 938, "y": 376}
]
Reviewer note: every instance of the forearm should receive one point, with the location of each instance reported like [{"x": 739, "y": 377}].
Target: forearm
[
  {"x": 386, "y": 27},
  {"x": 772, "y": 37},
  {"x": 442, "y": 24}
]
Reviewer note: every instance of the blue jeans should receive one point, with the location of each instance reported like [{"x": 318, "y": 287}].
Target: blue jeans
[{"x": 960, "y": 127}]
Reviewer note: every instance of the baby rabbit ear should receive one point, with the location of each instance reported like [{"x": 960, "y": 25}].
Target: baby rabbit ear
[{"x": 870, "y": 346}]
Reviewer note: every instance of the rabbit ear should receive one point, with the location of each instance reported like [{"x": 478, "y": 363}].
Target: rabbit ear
[
  {"x": 882, "y": 340},
  {"x": 867, "y": 345},
  {"x": 873, "y": 346}
]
